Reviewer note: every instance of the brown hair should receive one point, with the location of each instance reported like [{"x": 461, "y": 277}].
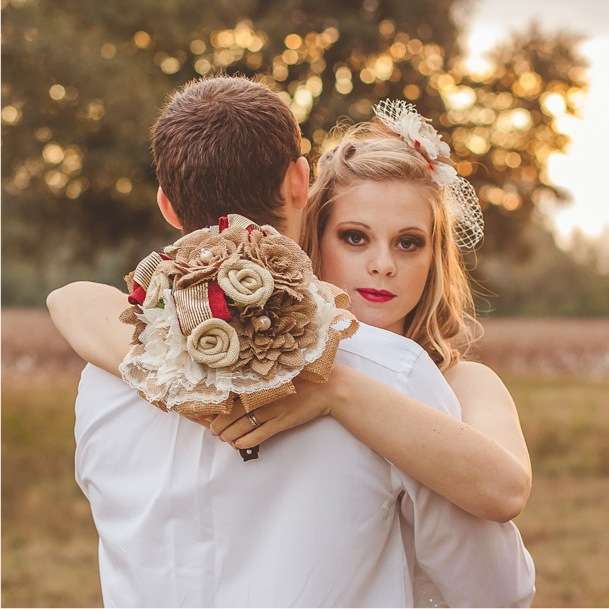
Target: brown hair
[
  {"x": 222, "y": 145},
  {"x": 443, "y": 321}
]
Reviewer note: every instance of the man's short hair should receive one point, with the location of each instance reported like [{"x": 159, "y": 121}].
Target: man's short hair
[{"x": 222, "y": 145}]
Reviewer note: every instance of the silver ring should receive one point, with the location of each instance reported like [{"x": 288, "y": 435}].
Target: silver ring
[{"x": 253, "y": 420}]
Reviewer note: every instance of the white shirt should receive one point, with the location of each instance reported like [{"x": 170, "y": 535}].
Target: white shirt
[{"x": 318, "y": 520}]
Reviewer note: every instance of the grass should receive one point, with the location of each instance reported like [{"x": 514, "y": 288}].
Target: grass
[
  {"x": 49, "y": 545},
  {"x": 566, "y": 424}
]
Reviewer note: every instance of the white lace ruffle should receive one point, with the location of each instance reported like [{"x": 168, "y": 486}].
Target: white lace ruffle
[{"x": 164, "y": 370}]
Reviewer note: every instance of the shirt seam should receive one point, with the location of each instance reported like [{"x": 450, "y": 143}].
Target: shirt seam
[{"x": 408, "y": 378}]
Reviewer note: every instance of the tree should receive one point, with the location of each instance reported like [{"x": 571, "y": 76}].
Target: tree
[{"x": 83, "y": 82}]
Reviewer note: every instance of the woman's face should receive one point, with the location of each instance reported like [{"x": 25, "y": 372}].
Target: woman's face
[{"x": 377, "y": 247}]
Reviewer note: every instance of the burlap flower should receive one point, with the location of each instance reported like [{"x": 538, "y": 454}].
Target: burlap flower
[
  {"x": 199, "y": 255},
  {"x": 291, "y": 330},
  {"x": 129, "y": 316},
  {"x": 245, "y": 282},
  {"x": 288, "y": 264},
  {"x": 213, "y": 343}
]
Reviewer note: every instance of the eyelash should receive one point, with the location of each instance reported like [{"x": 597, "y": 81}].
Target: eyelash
[{"x": 345, "y": 236}]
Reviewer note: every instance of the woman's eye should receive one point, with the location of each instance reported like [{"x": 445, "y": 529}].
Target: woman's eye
[
  {"x": 353, "y": 237},
  {"x": 409, "y": 244}
]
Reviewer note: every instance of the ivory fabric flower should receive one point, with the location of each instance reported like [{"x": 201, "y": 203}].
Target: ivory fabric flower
[
  {"x": 245, "y": 282},
  {"x": 443, "y": 173},
  {"x": 419, "y": 134},
  {"x": 159, "y": 282},
  {"x": 414, "y": 129},
  {"x": 290, "y": 267},
  {"x": 214, "y": 343}
]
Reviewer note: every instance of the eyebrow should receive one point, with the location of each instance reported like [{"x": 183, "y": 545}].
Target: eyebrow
[{"x": 402, "y": 230}]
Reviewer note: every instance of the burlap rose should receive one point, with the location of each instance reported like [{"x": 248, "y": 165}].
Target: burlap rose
[
  {"x": 291, "y": 330},
  {"x": 288, "y": 264},
  {"x": 245, "y": 282},
  {"x": 158, "y": 283},
  {"x": 213, "y": 343}
]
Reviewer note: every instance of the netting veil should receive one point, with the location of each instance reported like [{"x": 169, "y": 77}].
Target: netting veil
[{"x": 460, "y": 197}]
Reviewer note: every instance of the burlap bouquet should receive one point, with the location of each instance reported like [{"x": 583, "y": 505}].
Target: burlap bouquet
[{"x": 230, "y": 312}]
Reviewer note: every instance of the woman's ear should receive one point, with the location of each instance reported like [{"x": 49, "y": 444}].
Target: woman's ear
[{"x": 167, "y": 209}]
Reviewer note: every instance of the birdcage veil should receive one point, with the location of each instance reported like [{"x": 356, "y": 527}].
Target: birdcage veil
[{"x": 460, "y": 197}]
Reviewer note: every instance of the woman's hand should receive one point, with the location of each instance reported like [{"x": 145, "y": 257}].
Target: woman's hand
[{"x": 311, "y": 400}]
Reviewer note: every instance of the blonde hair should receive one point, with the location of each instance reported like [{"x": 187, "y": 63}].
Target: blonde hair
[{"x": 443, "y": 321}]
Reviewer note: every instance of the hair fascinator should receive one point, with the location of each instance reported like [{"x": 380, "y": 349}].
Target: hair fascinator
[
  {"x": 459, "y": 195},
  {"x": 230, "y": 312}
]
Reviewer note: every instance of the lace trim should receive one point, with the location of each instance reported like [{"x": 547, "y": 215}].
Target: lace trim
[{"x": 163, "y": 370}]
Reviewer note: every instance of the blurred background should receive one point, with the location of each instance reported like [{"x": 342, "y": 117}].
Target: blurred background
[{"x": 519, "y": 89}]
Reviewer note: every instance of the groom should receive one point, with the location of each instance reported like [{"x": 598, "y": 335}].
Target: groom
[{"x": 319, "y": 519}]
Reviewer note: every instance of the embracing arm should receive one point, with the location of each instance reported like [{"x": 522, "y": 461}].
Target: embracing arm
[
  {"x": 481, "y": 464},
  {"x": 86, "y": 315}
]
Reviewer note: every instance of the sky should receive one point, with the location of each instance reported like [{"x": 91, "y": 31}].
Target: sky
[{"x": 584, "y": 168}]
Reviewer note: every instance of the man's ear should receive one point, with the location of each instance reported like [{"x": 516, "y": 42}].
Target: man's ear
[
  {"x": 167, "y": 209},
  {"x": 295, "y": 186}
]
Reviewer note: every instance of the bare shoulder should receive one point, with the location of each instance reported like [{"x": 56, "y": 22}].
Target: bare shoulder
[
  {"x": 467, "y": 371},
  {"x": 81, "y": 289},
  {"x": 473, "y": 381}
]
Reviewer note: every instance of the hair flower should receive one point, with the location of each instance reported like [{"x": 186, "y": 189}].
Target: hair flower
[{"x": 460, "y": 198}]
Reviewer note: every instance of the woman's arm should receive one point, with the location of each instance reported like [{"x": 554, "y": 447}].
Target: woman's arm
[
  {"x": 487, "y": 406},
  {"x": 480, "y": 464},
  {"x": 86, "y": 315}
]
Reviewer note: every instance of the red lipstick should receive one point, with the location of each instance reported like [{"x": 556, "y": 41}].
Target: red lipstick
[{"x": 376, "y": 295}]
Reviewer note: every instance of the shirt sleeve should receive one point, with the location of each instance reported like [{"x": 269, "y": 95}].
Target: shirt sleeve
[{"x": 473, "y": 562}]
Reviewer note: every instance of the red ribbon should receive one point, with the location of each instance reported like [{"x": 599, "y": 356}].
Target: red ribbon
[
  {"x": 138, "y": 294},
  {"x": 217, "y": 301}
]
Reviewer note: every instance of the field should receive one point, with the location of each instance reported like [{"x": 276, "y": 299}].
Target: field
[{"x": 557, "y": 370}]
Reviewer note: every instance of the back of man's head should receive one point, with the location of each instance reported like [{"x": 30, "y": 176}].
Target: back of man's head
[{"x": 223, "y": 145}]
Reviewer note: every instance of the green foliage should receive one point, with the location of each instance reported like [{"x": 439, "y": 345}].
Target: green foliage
[{"x": 552, "y": 280}]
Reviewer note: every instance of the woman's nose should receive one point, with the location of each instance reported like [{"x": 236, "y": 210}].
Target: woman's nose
[{"x": 382, "y": 263}]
